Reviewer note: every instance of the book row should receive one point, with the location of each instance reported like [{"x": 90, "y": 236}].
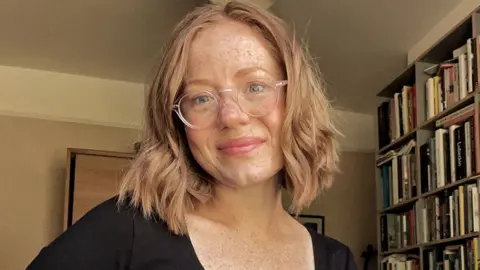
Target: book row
[
  {"x": 446, "y": 215},
  {"x": 450, "y": 154},
  {"x": 461, "y": 256},
  {"x": 446, "y": 84}
]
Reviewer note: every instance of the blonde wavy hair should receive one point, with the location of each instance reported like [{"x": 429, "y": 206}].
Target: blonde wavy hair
[{"x": 166, "y": 182}]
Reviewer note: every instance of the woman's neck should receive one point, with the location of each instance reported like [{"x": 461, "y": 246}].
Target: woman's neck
[{"x": 249, "y": 209}]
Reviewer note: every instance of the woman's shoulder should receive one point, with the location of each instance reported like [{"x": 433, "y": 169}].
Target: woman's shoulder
[
  {"x": 331, "y": 253},
  {"x": 110, "y": 218},
  {"x": 111, "y": 210},
  {"x": 106, "y": 237},
  {"x": 101, "y": 237}
]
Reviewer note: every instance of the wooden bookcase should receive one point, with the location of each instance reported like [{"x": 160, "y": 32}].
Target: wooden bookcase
[{"x": 427, "y": 190}]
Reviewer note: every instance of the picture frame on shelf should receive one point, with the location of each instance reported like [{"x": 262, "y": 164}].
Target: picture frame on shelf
[{"x": 314, "y": 222}]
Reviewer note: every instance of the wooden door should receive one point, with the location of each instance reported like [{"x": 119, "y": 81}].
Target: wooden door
[{"x": 93, "y": 177}]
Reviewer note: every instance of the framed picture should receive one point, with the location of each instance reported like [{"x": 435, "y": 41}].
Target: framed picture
[{"x": 316, "y": 223}]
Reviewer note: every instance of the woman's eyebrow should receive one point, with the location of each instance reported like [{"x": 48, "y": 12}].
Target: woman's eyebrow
[
  {"x": 240, "y": 73},
  {"x": 248, "y": 70},
  {"x": 199, "y": 81}
]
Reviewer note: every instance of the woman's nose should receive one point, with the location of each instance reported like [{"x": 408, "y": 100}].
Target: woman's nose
[{"x": 231, "y": 115}]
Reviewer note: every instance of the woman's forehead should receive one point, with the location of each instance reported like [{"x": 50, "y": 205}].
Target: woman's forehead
[{"x": 228, "y": 46}]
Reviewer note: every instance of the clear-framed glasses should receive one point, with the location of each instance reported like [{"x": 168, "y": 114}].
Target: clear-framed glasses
[{"x": 200, "y": 109}]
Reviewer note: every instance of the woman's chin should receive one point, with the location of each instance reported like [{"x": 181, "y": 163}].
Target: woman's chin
[
  {"x": 246, "y": 177},
  {"x": 243, "y": 182},
  {"x": 242, "y": 172}
]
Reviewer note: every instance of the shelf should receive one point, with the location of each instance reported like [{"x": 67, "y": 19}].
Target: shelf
[
  {"x": 451, "y": 185},
  {"x": 402, "y": 205},
  {"x": 455, "y": 38},
  {"x": 411, "y": 106},
  {"x": 407, "y": 77},
  {"x": 430, "y": 245},
  {"x": 399, "y": 206},
  {"x": 450, "y": 240},
  {"x": 401, "y": 250},
  {"x": 398, "y": 142},
  {"x": 430, "y": 123}
]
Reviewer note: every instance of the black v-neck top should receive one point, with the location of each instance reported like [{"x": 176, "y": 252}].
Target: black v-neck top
[{"x": 111, "y": 238}]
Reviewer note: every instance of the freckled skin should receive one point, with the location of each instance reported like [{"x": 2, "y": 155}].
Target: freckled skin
[
  {"x": 219, "y": 248},
  {"x": 218, "y": 55}
]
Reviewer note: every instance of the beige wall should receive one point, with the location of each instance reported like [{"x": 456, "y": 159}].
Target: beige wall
[
  {"x": 32, "y": 176},
  {"x": 349, "y": 205}
]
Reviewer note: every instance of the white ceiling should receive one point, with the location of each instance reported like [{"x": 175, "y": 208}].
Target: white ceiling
[{"x": 359, "y": 45}]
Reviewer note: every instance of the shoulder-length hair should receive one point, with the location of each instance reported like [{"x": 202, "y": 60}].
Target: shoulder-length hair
[{"x": 166, "y": 182}]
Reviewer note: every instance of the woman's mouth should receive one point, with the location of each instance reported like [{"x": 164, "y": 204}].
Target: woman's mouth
[{"x": 240, "y": 146}]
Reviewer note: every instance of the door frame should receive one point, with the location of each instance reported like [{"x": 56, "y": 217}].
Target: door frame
[{"x": 70, "y": 176}]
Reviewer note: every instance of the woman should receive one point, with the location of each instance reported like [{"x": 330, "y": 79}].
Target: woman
[{"x": 235, "y": 114}]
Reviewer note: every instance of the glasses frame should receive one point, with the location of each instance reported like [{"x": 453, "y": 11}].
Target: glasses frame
[{"x": 176, "y": 105}]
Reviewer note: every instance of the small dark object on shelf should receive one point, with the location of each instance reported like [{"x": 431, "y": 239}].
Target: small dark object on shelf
[{"x": 369, "y": 253}]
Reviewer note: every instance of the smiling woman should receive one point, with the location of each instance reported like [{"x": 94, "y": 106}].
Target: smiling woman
[{"x": 236, "y": 113}]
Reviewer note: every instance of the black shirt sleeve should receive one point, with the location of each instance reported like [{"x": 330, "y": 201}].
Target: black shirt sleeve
[
  {"x": 342, "y": 258},
  {"x": 330, "y": 254},
  {"x": 349, "y": 261},
  {"x": 101, "y": 239}
]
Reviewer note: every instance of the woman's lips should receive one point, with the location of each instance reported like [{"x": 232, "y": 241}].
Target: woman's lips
[{"x": 240, "y": 146}]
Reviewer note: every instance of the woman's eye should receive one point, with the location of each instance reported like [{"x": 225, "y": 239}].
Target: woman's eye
[
  {"x": 256, "y": 88},
  {"x": 201, "y": 99}
]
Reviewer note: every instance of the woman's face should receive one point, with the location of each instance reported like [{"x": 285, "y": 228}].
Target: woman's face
[{"x": 238, "y": 148}]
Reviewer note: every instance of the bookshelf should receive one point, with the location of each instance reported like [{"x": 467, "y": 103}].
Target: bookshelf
[{"x": 428, "y": 157}]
